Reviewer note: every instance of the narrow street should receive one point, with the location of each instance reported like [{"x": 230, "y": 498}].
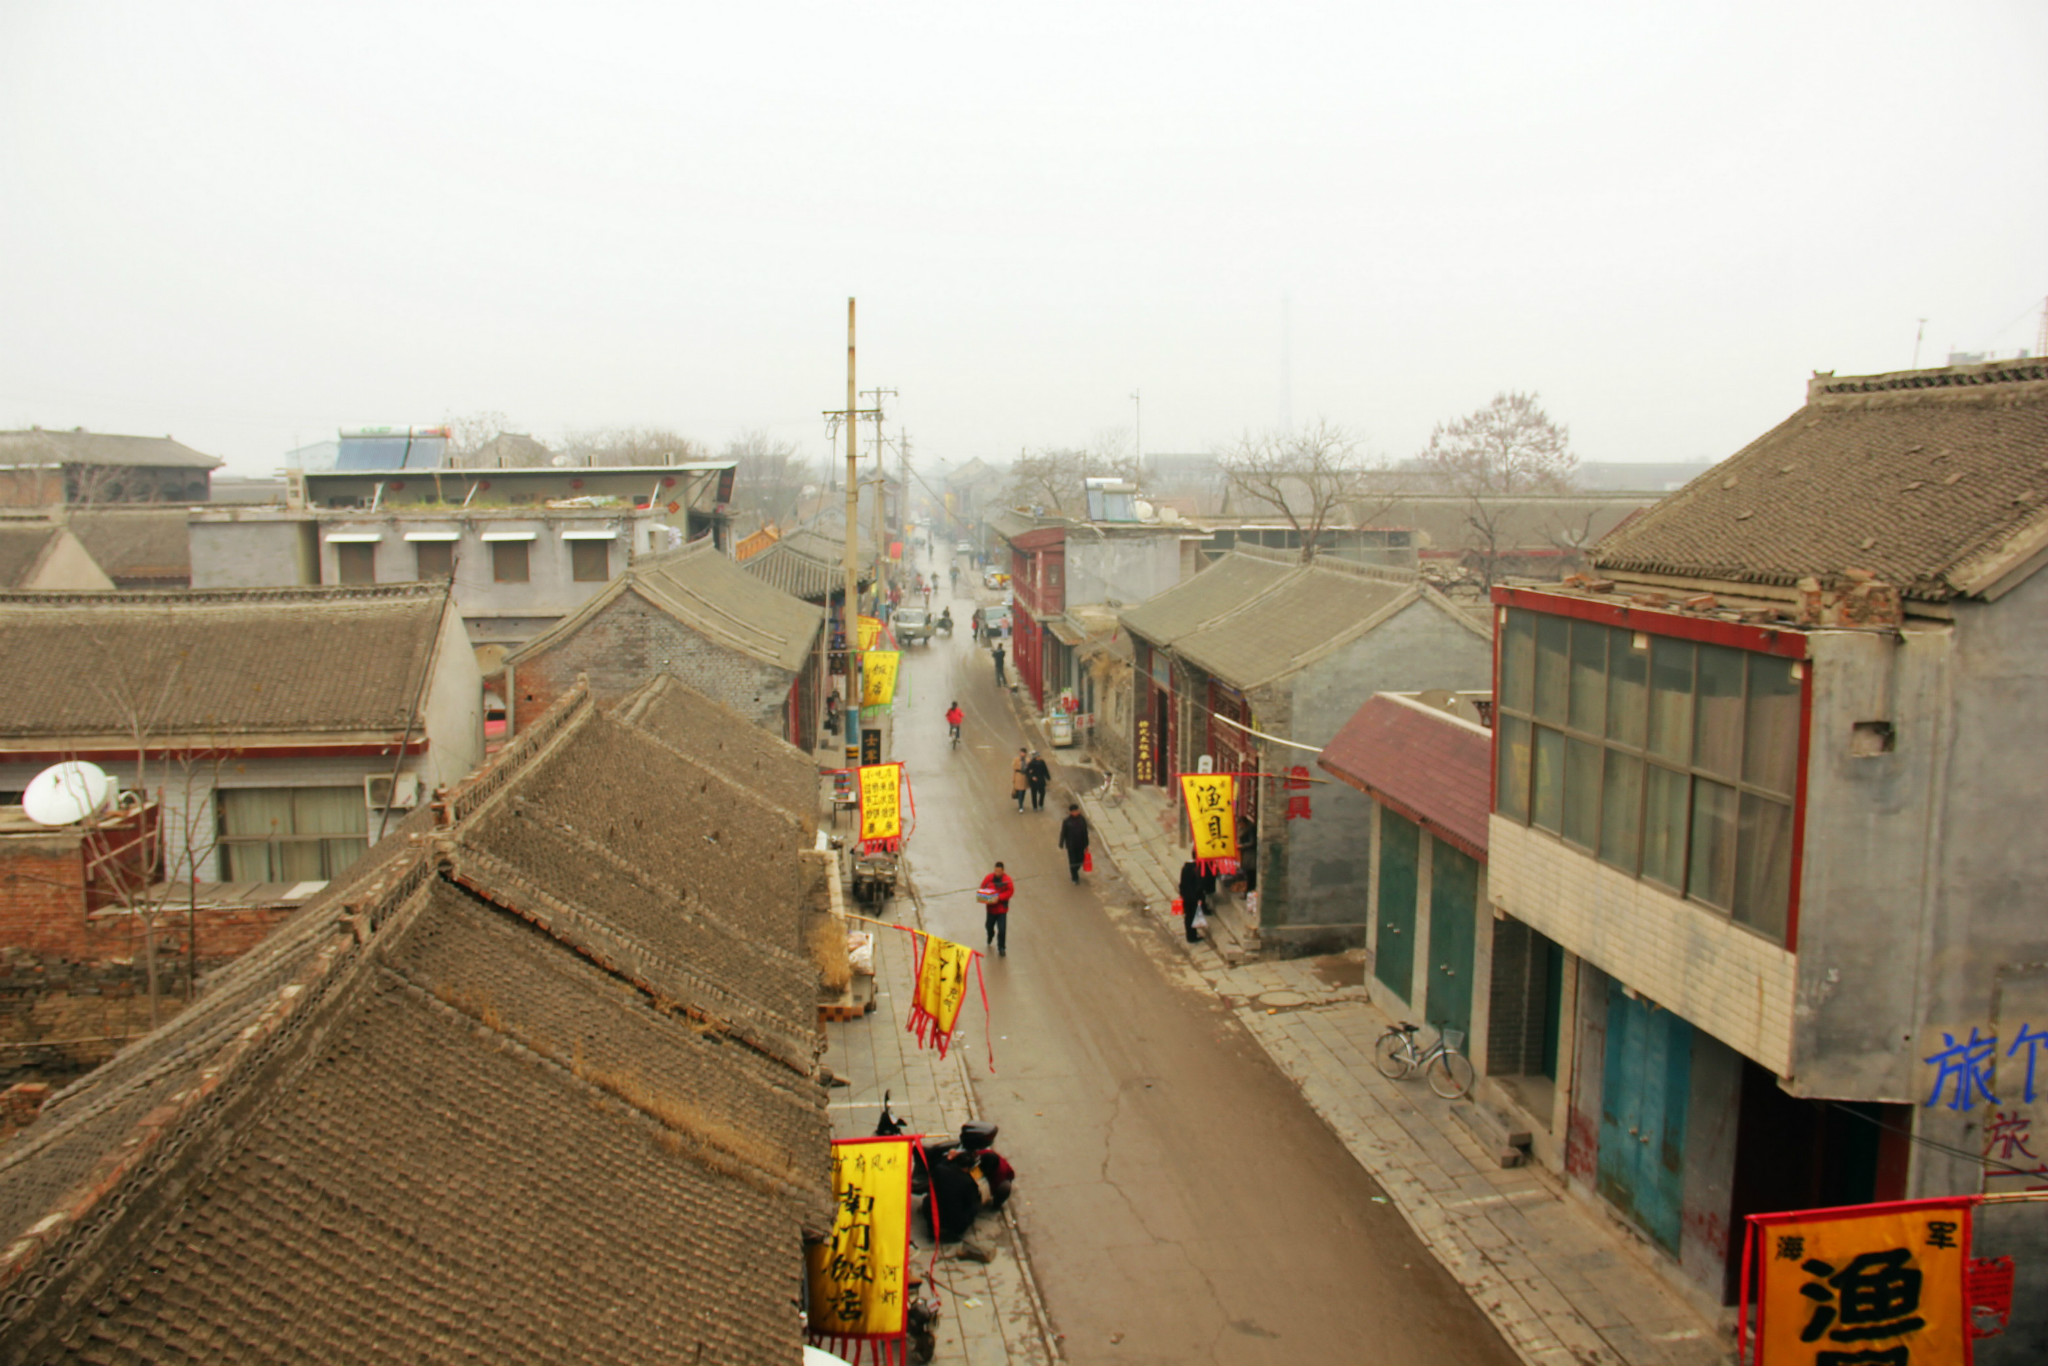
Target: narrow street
[{"x": 1180, "y": 1200}]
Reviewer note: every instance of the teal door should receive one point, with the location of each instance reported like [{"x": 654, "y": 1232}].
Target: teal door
[
  {"x": 1642, "y": 1114},
  {"x": 1400, "y": 849},
  {"x": 1453, "y": 901}
]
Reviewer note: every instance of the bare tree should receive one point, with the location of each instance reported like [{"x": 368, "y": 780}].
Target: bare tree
[
  {"x": 1312, "y": 478},
  {"x": 471, "y": 432},
  {"x": 633, "y": 446},
  {"x": 1495, "y": 456},
  {"x": 770, "y": 477},
  {"x": 1056, "y": 479}
]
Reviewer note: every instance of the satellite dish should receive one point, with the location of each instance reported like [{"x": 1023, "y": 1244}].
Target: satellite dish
[{"x": 67, "y": 794}]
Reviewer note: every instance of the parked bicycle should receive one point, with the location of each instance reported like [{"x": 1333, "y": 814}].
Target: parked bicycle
[
  {"x": 1111, "y": 791},
  {"x": 1448, "y": 1071}
]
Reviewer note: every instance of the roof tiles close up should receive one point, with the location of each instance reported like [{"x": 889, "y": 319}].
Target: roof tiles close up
[
  {"x": 535, "y": 1081},
  {"x": 1935, "y": 482},
  {"x": 222, "y": 663}
]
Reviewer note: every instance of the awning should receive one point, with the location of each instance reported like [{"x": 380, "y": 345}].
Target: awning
[
  {"x": 511, "y": 535},
  {"x": 433, "y": 535},
  {"x": 1069, "y": 634},
  {"x": 354, "y": 537},
  {"x": 612, "y": 535}
]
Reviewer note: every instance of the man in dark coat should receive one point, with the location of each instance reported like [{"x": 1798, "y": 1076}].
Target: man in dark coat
[
  {"x": 1074, "y": 839},
  {"x": 1194, "y": 893},
  {"x": 1039, "y": 777}
]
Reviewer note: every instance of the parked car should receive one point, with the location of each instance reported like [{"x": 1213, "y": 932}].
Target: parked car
[
  {"x": 995, "y": 621},
  {"x": 994, "y": 578},
  {"x": 911, "y": 624},
  {"x": 965, "y": 547}
]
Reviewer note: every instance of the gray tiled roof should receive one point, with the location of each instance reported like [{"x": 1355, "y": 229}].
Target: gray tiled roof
[
  {"x": 99, "y": 448},
  {"x": 790, "y": 569},
  {"x": 725, "y": 742},
  {"x": 229, "y": 662},
  {"x": 1224, "y": 586},
  {"x": 713, "y": 595},
  {"x": 1935, "y": 481},
  {"x": 469, "y": 1105},
  {"x": 21, "y": 548},
  {"x": 1309, "y": 612},
  {"x": 137, "y": 543}
]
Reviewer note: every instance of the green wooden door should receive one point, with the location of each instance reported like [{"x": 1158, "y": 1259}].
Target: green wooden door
[
  {"x": 1400, "y": 851},
  {"x": 1453, "y": 902},
  {"x": 1644, "y": 1099}
]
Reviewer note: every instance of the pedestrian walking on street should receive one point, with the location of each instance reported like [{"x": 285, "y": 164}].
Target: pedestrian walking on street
[
  {"x": 996, "y": 891},
  {"x": 1020, "y": 781},
  {"x": 1002, "y": 680},
  {"x": 1074, "y": 839},
  {"x": 1193, "y": 898},
  {"x": 1039, "y": 777}
]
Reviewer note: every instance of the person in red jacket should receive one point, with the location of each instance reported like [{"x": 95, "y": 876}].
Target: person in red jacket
[
  {"x": 996, "y": 891},
  {"x": 954, "y": 716}
]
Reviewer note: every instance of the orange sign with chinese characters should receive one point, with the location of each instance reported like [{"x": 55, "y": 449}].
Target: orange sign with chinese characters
[{"x": 1862, "y": 1283}]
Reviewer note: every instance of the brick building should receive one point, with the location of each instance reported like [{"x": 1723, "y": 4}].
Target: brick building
[
  {"x": 1771, "y": 784},
  {"x": 697, "y": 615}
]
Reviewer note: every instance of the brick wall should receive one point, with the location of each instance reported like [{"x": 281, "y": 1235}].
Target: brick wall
[
  {"x": 1735, "y": 985},
  {"x": 42, "y": 892},
  {"x": 627, "y": 642},
  {"x": 43, "y": 912}
]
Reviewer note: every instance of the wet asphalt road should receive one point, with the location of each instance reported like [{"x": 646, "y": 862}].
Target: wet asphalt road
[{"x": 1180, "y": 1201}]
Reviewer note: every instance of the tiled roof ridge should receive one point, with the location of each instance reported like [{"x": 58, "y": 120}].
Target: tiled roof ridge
[
  {"x": 1292, "y": 557},
  {"x": 739, "y": 1157},
  {"x": 481, "y": 788},
  {"x": 1975, "y": 378},
  {"x": 100, "y": 599},
  {"x": 733, "y": 629},
  {"x": 698, "y": 763},
  {"x": 96, "y": 1201},
  {"x": 498, "y": 882},
  {"x": 682, "y": 896}
]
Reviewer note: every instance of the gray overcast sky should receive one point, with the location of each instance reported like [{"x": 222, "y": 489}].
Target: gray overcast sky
[{"x": 248, "y": 224}]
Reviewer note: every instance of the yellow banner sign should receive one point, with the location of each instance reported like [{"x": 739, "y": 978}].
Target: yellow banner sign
[
  {"x": 870, "y": 631},
  {"x": 881, "y": 805},
  {"x": 860, "y": 1276},
  {"x": 941, "y": 987},
  {"x": 1863, "y": 1283},
  {"x": 878, "y": 677},
  {"x": 1212, "y": 814}
]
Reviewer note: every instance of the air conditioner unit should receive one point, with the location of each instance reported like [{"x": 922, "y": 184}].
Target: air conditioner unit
[{"x": 385, "y": 794}]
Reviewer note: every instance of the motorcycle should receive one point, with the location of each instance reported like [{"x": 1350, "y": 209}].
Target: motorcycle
[
  {"x": 945, "y": 623},
  {"x": 956, "y": 1177}
]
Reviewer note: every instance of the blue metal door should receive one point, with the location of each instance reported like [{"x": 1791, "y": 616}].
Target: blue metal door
[{"x": 1647, "y": 1078}]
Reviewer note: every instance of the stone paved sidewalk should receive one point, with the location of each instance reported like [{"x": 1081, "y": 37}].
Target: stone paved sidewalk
[
  {"x": 992, "y": 1313},
  {"x": 1565, "y": 1285}
]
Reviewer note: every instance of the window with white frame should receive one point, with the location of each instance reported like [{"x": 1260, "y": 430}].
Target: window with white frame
[
  {"x": 290, "y": 834},
  {"x": 1669, "y": 759}
]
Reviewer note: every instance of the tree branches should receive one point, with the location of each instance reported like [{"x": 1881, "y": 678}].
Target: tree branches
[{"x": 1310, "y": 478}]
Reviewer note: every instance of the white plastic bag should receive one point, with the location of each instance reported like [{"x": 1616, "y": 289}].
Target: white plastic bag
[{"x": 1201, "y": 920}]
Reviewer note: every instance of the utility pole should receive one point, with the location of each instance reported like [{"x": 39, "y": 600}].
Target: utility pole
[
  {"x": 851, "y": 606},
  {"x": 881, "y": 500},
  {"x": 1138, "y": 430}
]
